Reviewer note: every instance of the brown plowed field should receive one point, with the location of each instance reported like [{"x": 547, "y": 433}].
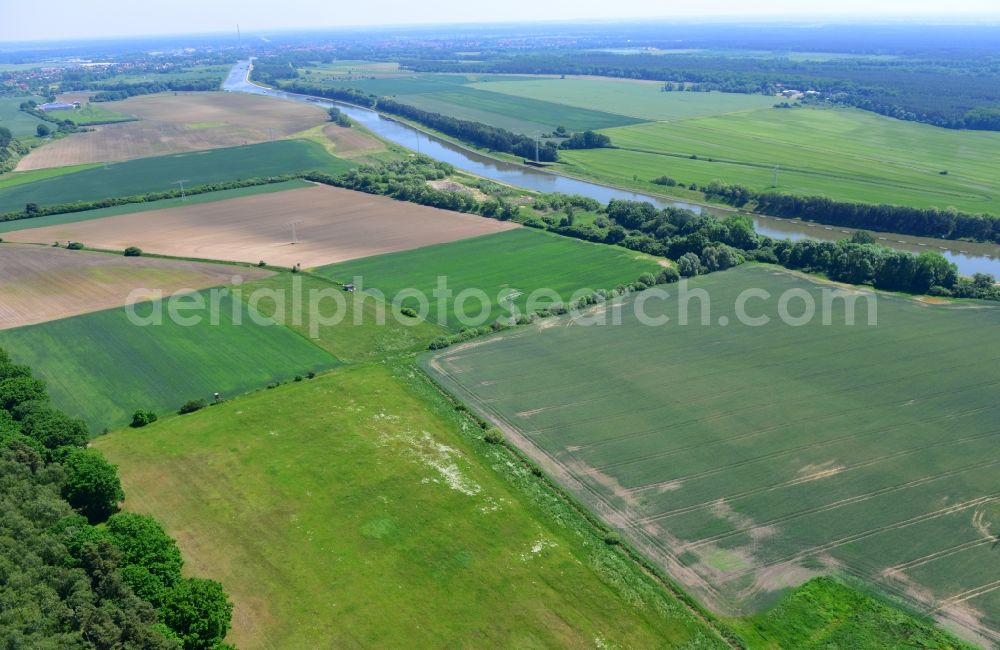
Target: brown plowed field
[
  {"x": 172, "y": 123},
  {"x": 42, "y": 283},
  {"x": 351, "y": 143},
  {"x": 331, "y": 225}
]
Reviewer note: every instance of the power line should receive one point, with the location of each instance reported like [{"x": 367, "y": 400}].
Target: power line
[{"x": 181, "y": 183}]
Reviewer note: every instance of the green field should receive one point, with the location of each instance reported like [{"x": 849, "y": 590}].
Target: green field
[
  {"x": 358, "y": 510},
  {"x": 825, "y": 614},
  {"x": 91, "y": 113},
  {"x": 450, "y": 95},
  {"x": 747, "y": 459},
  {"x": 359, "y": 336},
  {"x": 512, "y": 263},
  {"x": 159, "y": 173},
  {"x": 100, "y": 367},
  {"x": 694, "y": 137},
  {"x": 20, "y": 123},
  {"x": 641, "y": 100},
  {"x": 841, "y": 153},
  {"x": 130, "y": 208}
]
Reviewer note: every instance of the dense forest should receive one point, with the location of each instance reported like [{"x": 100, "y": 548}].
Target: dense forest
[{"x": 74, "y": 573}]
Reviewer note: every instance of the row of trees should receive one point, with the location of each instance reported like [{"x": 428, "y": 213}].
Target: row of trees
[
  {"x": 74, "y": 573},
  {"x": 922, "y": 222},
  {"x": 586, "y": 140},
  {"x": 348, "y": 95},
  {"x": 11, "y": 150},
  {"x": 481, "y": 135},
  {"x": 113, "y": 92},
  {"x": 407, "y": 180}
]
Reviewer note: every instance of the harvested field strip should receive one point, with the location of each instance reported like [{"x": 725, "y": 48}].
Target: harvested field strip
[
  {"x": 101, "y": 367},
  {"x": 747, "y": 459},
  {"x": 162, "y": 173},
  {"x": 330, "y": 225},
  {"x": 131, "y": 208},
  {"x": 42, "y": 283}
]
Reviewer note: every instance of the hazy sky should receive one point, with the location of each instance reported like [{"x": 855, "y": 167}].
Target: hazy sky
[{"x": 23, "y": 20}]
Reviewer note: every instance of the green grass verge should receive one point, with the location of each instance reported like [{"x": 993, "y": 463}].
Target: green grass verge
[
  {"x": 824, "y": 613},
  {"x": 130, "y": 208},
  {"x": 100, "y": 367},
  {"x": 159, "y": 173},
  {"x": 513, "y": 262},
  {"x": 772, "y": 453},
  {"x": 359, "y": 509}
]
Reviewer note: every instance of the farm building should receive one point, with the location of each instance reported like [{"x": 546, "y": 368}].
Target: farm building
[{"x": 58, "y": 106}]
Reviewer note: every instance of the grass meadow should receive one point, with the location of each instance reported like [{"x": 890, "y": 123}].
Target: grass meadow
[
  {"x": 357, "y": 508},
  {"x": 90, "y": 113},
  {"x": 512, "y": 263},
  {"x": 361, "y": 335},
  {"x": 159, "y": 173},
  {"x": 846, "y": 154},
  {"x": 641, "y": 100},
  {"x": 101, "y": 367},
  {"x": 748, "y": 459}
]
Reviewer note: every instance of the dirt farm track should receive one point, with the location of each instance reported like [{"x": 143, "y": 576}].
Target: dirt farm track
[
  {"x": 330, "y": 225},
  {"x": 175, "y": 123}
]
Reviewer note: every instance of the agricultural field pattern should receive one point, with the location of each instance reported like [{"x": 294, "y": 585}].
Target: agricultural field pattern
[
  {"x": 590, "y": 334},
  {"x": 748, "y": 459}
]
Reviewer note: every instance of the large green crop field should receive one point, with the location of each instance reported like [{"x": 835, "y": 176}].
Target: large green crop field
[
  {"x": 160, "y": 173},
  {"x": 352, "y": 510},
  {"x": 100, "y": 367},
  {"x": 747, "y": 459},
  {"x": 451, "y": 95},
  {"x": 509, "y": 264},
  {"x": 846, "y": 154}
]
